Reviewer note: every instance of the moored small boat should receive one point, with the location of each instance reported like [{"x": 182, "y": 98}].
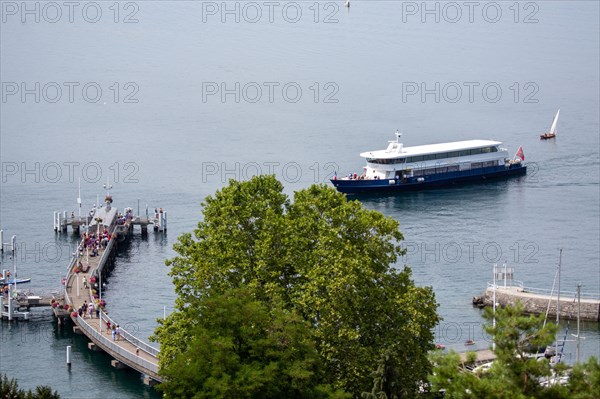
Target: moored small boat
[{"x": 4, "y": 281}]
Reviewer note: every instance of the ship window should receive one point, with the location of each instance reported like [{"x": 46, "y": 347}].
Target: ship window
[
  {"x": 441, "y": 156},
  {"x": 476, "y": 151},
  {"x": 464, "y": 153},
  {"x": 453, "y": 168},
  {"x": 428, "y": 157},
  {"x": 418, "y": 172},
  {"x": 476, "y": 165},
  {"x": 490, "y": 163},
  {"x": 442, "y": 170},
  {"x": 416, "y": 159},
  {"x": 494, "y": 149},
  {"x": 485, "y": 150},
  {"x": 453, "y": 154}
]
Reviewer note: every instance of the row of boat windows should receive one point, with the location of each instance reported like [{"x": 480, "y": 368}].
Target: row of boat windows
[
  {"x": 430, "y": 157},
  {"x": 453, "y": 168}
]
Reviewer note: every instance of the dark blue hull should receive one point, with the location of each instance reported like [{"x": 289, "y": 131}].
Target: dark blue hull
[{"x": 429, "y": 181}]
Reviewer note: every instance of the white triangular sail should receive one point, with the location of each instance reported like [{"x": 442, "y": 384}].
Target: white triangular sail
[{"x": 554, "y": 123}]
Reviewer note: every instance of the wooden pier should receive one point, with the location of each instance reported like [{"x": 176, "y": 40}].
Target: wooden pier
[
  {"x": 158, "y": 220},
  {"x": 127, "y": 350}
]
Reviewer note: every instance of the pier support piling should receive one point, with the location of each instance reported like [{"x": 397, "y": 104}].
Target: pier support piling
[{"x": 118, "y": 365}]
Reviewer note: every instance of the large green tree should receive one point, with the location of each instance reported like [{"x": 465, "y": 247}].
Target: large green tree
[
  {"x": 242, "y": 347},
  {"x": 515, "y": 373},
  {"x": 327, "y": 259}
]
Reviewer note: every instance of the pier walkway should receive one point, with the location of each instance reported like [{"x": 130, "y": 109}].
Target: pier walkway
[
  {"x": 538, "y": 301},
  {"x": 127, "y": 350}
]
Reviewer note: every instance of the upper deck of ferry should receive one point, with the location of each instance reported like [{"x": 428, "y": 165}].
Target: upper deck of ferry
[{"x": 397, "y": 150}]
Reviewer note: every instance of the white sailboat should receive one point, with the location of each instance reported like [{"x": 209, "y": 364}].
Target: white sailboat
[{"x": 552, "y": 133}]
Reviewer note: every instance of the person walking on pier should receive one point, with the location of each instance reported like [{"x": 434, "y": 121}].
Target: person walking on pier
[
  {"x": 91, "y": 310},
  {"x": 118, "y": 332},
  {"x": 84, "y": 308},
  {"x": 114, "y": 332},
  {"x": 84, "y": 281}
]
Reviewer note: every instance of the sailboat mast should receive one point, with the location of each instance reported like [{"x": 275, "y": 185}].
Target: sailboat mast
[
  {"x": 558, "y": 297},
  {"x": 578, "y": 318},
  {"x": 494, "y": 308},
  {"x": 554, "y": 122}
]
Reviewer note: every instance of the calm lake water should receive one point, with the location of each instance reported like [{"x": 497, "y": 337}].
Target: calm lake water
[{"x": 170, "y": 99}]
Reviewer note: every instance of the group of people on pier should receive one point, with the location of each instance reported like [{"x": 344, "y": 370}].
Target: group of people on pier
[
  {"x": 113, "y": 329},
  {"x": 122, "y": 219},
  {"x": 93, "y": 242},
  {"x": 88, "y": 310}
]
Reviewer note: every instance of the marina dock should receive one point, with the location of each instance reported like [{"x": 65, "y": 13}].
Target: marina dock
[
  {"x": 127, "y": 350},
  {"x": 537, "y": 301}
]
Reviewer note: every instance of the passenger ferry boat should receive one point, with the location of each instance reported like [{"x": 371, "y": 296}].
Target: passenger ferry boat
[{"x": 399, "y": 168}]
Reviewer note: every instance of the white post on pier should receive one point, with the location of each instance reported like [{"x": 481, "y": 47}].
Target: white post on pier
[
  {"x": 1, "y": 240},
  {"x": 13, "y": 246},
  {"x": 69, "y": 356},
  {"x": 11, "y": 309},
  {"x": 79, "y": 199}
]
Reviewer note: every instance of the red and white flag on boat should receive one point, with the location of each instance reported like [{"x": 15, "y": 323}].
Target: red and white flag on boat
[{"x": 520, "y": 154}]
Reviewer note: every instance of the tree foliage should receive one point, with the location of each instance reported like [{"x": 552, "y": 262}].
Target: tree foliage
[
  {"x": 243, "y": 348},
  {"x": 321, "y": 257},
  {"x": 9, "y": 389},
  {"x": 515, "y": 373}
]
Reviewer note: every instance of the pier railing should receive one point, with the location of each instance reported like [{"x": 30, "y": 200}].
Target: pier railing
[
  {"x": 95, "y": 333},
  {"x": 132, "y": 357},
  {"x": 124, "y": 333},
  {"x": 543, "y": 291},
  {"x": 131, "y": 338}
]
